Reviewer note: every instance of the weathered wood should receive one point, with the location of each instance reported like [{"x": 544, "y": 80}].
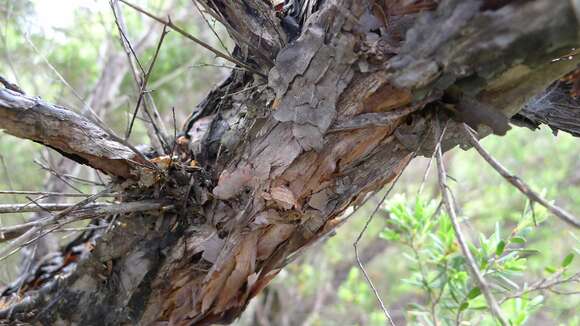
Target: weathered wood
[
  {"x": 555, "y": 108},
  {"x": 346, "y": 106},
  {"x": 72, "y": 135}
]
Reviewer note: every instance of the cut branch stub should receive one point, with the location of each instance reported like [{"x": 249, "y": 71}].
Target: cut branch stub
[{"x": 70, "y": 134}]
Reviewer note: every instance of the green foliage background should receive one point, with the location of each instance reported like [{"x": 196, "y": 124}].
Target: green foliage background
[{"x": 324, "y": 287}]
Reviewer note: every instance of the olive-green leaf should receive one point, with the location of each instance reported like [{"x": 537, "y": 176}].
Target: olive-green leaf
[
  {"x": 568, "y": 260},
  {"x": 474, "y": 293},
  {"x": 500, "y": 248}
]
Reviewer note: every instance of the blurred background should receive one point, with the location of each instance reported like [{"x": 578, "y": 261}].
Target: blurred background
[{"x": 69, "y": 53}]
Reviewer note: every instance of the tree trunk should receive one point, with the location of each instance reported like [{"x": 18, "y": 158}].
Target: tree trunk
[{"x": 267, "y": 168}]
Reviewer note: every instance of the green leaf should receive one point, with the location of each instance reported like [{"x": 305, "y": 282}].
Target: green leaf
[
  {"x": 474, "y": 293},
  {"x": 464, "y": 306},
  {"x": 568, "y": 260},
  {"x": 518, "y": 240},
  {"x": 484, "y": 264},
  {"x": 500, "y": 248},
  {"x": 525, "y": 253},
  {"x": 550, "y": 269}
]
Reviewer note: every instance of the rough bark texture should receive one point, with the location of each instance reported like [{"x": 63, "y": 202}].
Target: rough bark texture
[
  {"x": 554, "y": 108},
  {"x": 72, "y": 135},
  {"x": 344, "y": 109}
]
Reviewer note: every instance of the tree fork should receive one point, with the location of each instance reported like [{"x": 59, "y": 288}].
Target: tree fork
[{"x": 276, "y": 171}]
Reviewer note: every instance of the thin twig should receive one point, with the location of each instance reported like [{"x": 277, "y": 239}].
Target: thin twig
[
  {"x": 46, "y": 193},
  {"x": 519, "y": 183},
  {"x": 356, "y": 242},
  {"x": 174, "y": 134},
  {"x": 206, "y": 65},
  {"x": 144, "y": 87},
  {"x": 139, "y": 75},
  {"x": 179, "y": 30},
  {"x": 129, "y": 50},
  {"x": 431, "y": 159},
  {"x": 368, "y": 222},
  {"x": 544, "y": 284},
  {"x": 86, "y": 106},
  {"x": 361, "y": 234},
  {"x": 27, "y": 208},
  {"x": 210, "y": 26},
  {"x": 65, "y": 177},
  {"x": 89, "y": 211},
  {"x": 21, "y": 240},
  {"x": 162, "y": 80},
  {"x": 476, "y": 274},
  {"x": 37, "y": 204}
]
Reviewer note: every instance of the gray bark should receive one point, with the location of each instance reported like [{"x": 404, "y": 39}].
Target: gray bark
[{"x": 344, "y": 109}]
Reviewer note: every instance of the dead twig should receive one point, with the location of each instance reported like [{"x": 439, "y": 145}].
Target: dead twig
[
  {"x": 22, "y": 240},
  {"x": 431, "y": 159},
  {"x": 143, "y": 88},
  {"x": 545, "y": 284},
  {"x": 368, "y": 222},
  {"x": 141, "y": 79},
  {"x": 356, "y": 251},
  {"x": 473, "y": 268},
  {"x": 47, "y": 193},
  {"x": 361, "y": 234},
  {"x": 519, "y": 183},
  {"x": 210, "y": 26},
  {"x": 27, "y": 208},
  {"x": 89, "y": 211},
  {"x": 179, "y": 30}
]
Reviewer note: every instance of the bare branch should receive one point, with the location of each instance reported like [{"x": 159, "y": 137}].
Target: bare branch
[
  {"x": 67, "y": 132},
  {"x": 210, "y": 26},
  {"x": 368, "y": 222},
  {"x": 476, "y": 274},
  {"x": 179, "y": 30},
  {"x": 519, "y": 183},
  {"x": 86, "y": 212},
  {"x": 23, "y": 239},
  {"x": 141, "y": 79},
  {"x": 46, "y": 193},
  {"x": 27, "y": 208},
  {"x": 545, "y": 284},
  {"x": 143, "y": 88}
]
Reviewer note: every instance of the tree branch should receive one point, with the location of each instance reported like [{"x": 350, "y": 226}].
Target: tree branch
[
  {"x": 519, "y": 183},
  {"x": 86, "y": 212},
  {"x": 68, "y": 133},
  {"x": 272, "y": 179},
  {"x": 187, "y": 35},
  {"x": 473, "y": 267}
]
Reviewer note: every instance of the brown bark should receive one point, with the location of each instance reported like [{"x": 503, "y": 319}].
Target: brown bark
[{"x": 345, "y": 108}]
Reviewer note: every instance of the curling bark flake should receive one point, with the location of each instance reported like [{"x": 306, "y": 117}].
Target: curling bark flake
[{"x": 347, "y": 105}]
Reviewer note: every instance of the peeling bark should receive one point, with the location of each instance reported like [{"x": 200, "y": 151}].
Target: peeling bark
[{"x": 346, "y": 106}]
